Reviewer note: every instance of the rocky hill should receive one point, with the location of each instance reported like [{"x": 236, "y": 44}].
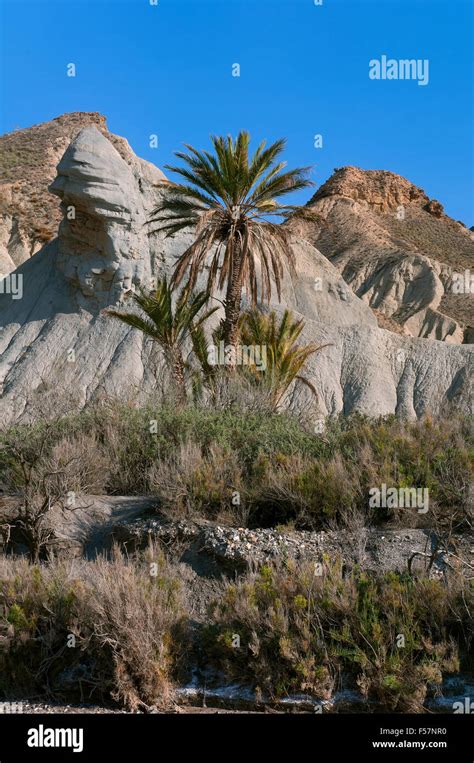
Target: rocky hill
[
  {"x": 29, "y": 215},
  {"x": 56, "y": 339},
  {"x": 392, "y": 244},
  {"x": 398, "y": 251}
]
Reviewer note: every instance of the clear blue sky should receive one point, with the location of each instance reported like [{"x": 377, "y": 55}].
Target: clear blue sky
[{"x": 166, "y": 69}]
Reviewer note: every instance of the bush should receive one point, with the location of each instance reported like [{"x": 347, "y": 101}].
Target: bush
[
  {"x": 191, "y": 482},
  {"x": 299, "y": 631},
  {"x": 45, "y": 472},
  {"x": 120, "y": 631},
  {"x": 103, "y": 630},
  {"x": 194, "y": 459}
]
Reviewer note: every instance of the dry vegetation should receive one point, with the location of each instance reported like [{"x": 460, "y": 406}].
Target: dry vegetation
[
  {"x": 103, "y": 631},
  {"x": 300, "y": 630},
  {"x": 255, "y": 468},
  {"x": 439, "y": 239},
  {"x": 121, "y": 632}
]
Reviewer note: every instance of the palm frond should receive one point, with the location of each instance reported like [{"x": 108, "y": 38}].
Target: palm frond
[
  {"x": 285, "y": 358},
  {"x": 164, "y": 319},
  {"x": 228, "y": 196}
]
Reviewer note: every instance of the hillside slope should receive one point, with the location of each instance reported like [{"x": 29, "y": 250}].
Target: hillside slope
[
  {"x": 398, "y": 251},
  {"x": 57, "y": 342}
]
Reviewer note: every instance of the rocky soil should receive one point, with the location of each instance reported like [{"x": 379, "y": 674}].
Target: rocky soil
[
  {"x": 212, "y": 550},
  {"x": 209, "y": 547}
]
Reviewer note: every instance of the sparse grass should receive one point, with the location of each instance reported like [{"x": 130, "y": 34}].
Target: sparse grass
[
  {"x": 17, "y": 158},
  {"x": 436, "y": 239}
]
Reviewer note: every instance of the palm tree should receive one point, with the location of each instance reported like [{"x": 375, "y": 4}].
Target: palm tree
[
  {"x": 168, "y": 325},
  {"x": 284, "y": 357},
  {"x": 228, "y": 197},
  {"x": 206, "y": 375}
]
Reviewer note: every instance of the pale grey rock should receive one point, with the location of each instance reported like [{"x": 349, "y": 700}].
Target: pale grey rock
[
  {"x": 15, "y": 246},
  {"x": 319, "y": 293},
  {"x": 103, "y": 246},
  {"x": 29, "y": 215},
  {"x": 57, "y": 341},
  {"x": 407, "y": 288}
]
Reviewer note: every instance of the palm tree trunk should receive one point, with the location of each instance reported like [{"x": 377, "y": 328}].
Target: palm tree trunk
[
  {"x": 177, "y": 372},
  {"x": 232, "y": 303}
]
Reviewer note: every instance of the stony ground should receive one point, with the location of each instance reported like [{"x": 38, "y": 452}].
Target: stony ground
[
  {"x": 44, "y": 708},
  {"x": 209, "y": 546},
  {"x": 210, "y": 551}
]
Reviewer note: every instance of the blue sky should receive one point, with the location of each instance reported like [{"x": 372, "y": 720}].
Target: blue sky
[{"x": 167, "y": 70}]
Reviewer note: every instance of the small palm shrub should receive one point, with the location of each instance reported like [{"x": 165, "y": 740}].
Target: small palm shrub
[
  {"x": 168, "y": 321},
  {"x": 285, "y": 357}
]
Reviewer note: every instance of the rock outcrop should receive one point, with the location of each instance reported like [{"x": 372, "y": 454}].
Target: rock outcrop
[
  {"x": 29, "y": 215},
  {"x": 103, "y": 246},
  {"x": 56, "y": 341},
  {"x": 398, "y": 251}
]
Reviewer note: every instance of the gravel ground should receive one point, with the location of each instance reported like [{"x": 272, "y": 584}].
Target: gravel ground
[
  {"x": 211, "y": 549},
  {"x": 25, "y": 707},
  {"x": 44, "y": 708}
]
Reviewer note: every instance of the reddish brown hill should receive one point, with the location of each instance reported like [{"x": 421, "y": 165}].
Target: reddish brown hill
[{"x": 397, "y": 249}]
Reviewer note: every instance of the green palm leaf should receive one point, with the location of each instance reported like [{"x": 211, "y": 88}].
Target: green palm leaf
[
  {"x": 227, "y": 196},
  {"x": 285, "y": 358},
  {"x": 168, "y": 321}
]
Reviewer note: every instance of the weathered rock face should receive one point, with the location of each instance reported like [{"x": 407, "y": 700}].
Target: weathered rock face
[
  {"x": 381, "y": 190},
  {"x": 103, "y": 246},
  {"x": 29, "y": 215},
  {"x": 397, "y": 250},
  {"x": 57, "y": 341}
]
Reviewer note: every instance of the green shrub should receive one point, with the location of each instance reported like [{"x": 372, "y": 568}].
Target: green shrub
[
  {"x": 299, "y": 631},
  {"x": 286, "y": 472}
]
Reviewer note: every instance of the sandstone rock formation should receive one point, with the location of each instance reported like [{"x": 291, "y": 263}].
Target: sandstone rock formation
[
  {"x": 397, "y": 250},
  {"x": 29, "y": 215},
  {"x": 103, "y": 246},
  {"x": 56, "y": 340}
]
